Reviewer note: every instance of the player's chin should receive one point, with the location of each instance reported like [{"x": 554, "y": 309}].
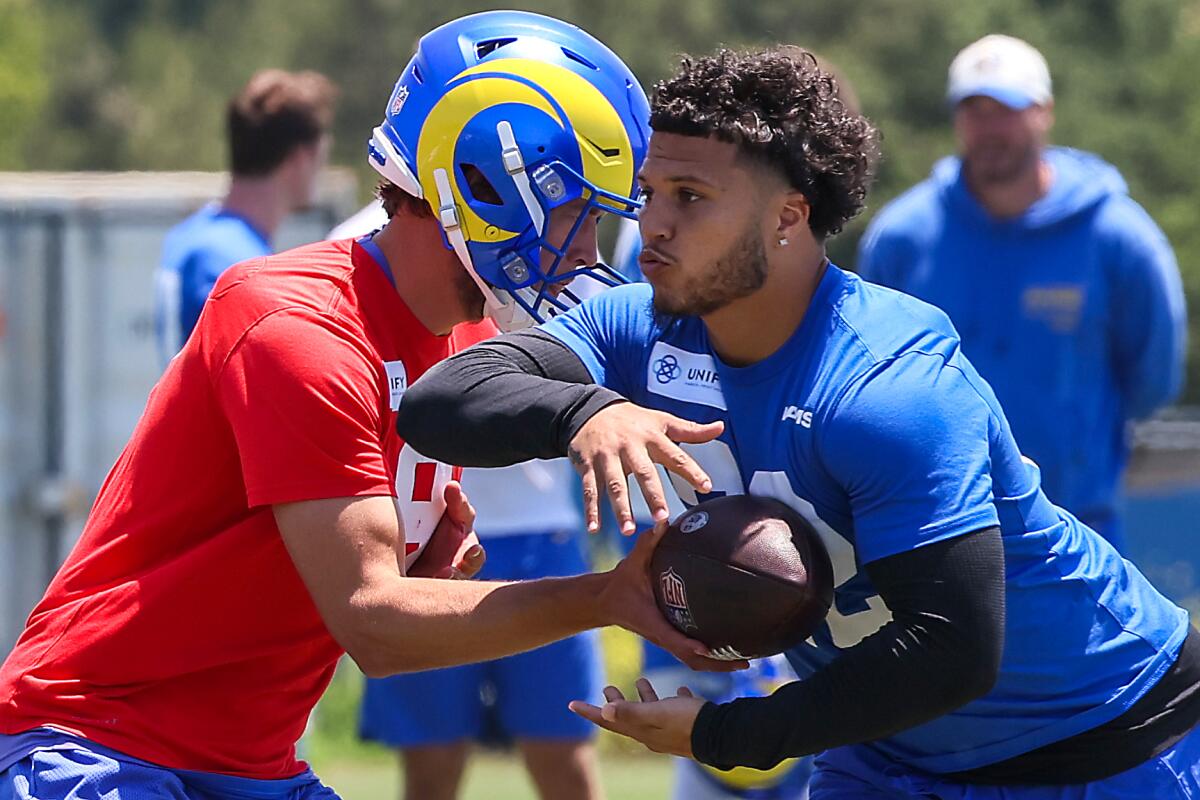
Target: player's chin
[{"x": 474, "y": 306}]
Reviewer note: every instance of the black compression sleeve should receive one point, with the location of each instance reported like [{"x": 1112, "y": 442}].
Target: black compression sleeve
[
  {"x": 941, "y": 650},
  {"x": 512, "y": 398}
]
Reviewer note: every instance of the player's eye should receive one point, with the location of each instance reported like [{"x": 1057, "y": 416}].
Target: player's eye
[{"x": 687, "y": 196}]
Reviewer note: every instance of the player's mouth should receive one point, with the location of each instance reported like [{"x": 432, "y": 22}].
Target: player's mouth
[{"x": 652, "y": 261}]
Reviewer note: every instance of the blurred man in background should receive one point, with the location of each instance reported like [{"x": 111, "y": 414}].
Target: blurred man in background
[
  {"x": 278, "y": 128},
  {"x": 1053, "y": 276}
]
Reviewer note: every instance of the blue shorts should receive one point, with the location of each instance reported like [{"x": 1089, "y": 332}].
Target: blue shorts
[
  {"x": 531, "y": 689},
  {"x": 861, "y": 773},
  {"x": 80, "y": 770}
]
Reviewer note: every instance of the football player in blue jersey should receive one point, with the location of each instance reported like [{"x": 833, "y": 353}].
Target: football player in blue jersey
[
  {"x": 983, "y": 643},
  {"x": 277, "y": 130}
]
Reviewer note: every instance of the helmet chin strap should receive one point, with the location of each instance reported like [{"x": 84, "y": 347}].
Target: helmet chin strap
[
  {"x": 510, "y": 316},
  {"x": 514, "y": 165}
]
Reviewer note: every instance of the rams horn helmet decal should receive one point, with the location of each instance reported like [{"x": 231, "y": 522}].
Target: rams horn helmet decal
[{"x": 500, "y": 118}]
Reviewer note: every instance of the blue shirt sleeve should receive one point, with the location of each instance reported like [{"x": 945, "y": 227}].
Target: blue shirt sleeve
[
  {"x": 611, "y": 333},
  {"x": 910, "y": 444},
  {"x": 1149, "y": 330}
]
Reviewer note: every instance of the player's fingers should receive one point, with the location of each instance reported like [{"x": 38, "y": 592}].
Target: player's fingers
[
  {"x": 591, "y": 500},
  {"x": 703, "y": 663},
  {"x": 647, "y": 540},
  {"x": 632, "y": 719},
  {"x": 695, "y": 654},
  {"x": 684, "y": 430},
  {"x": 612, "y": 717},
  {"x": 612, "y": 693},
  {"x": 624, "y": 717},
  {"x": 458, "y": 506},
  {"x": 590, "y": 712},
  {"x": 611, "y": 476},
  {"x": 646, "y": 690},
  {"x": 650, "y": 484},
  {"x": 472, "y": 561},
  {"x": 686, "y": 649},
  {"x": 676, "y": 459},
  {"x": 685, "y": 692}
]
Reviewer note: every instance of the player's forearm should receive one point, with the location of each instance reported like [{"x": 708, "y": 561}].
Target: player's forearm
[
  {"x": 409, "y": 624},
  {"x": 941, "y": 651},
  {"x": 507, "y": 400}
]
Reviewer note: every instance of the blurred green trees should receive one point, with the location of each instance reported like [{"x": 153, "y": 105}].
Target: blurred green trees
[{"x": 141, "y": 84}]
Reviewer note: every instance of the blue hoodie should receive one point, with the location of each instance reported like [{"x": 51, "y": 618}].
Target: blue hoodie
[{"x": 1073, "y": 312}]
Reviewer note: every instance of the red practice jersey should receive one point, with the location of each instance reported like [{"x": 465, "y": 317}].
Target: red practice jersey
[{"x": 178, "y": 631}]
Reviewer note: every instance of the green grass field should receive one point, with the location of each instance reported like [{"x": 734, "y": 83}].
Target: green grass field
[
  {"x": 359, "y": 771},
  {"x": 492, "y": 776}
]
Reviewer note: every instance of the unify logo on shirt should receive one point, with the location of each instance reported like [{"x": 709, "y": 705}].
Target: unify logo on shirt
[
  {"x": 684, "y": 375},
  {"x": 397, "y": 380}
]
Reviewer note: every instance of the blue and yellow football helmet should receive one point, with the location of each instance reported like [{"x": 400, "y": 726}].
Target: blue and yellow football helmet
[{"x": 500, "y": 118}]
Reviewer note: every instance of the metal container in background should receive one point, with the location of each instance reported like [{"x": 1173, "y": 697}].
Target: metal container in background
[{"x": 77, "y": 349}]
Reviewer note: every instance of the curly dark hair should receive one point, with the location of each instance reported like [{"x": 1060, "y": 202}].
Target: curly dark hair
[{"x": 781, "y": 109}]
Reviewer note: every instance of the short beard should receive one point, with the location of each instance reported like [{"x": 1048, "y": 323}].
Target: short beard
[
  {"x": 738, "y": 272},
  {"x": 471, "y": 299},
  {"x": 1009, "y": 172}
]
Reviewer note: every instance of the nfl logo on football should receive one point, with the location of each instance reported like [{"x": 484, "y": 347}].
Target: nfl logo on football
[{"x": 675, "y": 597}]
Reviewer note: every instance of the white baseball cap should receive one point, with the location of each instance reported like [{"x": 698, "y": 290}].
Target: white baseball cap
[{"x": 1003, "y": 68}]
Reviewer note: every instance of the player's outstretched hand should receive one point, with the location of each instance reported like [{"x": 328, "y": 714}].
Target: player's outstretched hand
[
  {"x": 625, "y": 439},
  {"x": 628, "y": 600},
  {"x": 664, "y": 726},
  {"x": 453, "y": 550}
]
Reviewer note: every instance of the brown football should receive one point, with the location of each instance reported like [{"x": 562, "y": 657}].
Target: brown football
[{"x": 747, "y": 576}]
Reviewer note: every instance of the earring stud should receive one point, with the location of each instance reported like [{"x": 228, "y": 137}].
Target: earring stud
[{"x": 783, "y": 241}]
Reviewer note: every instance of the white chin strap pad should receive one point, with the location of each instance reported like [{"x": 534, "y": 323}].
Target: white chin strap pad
[
  {"x": 508, "y": 316},
  {"x": 511, "y": 316}
]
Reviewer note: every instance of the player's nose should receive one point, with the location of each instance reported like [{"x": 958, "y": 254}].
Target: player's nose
[{"x": 584, "y": 250}]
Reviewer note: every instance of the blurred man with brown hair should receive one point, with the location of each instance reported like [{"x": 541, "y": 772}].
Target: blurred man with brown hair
[{"x": 278, "y": 128}]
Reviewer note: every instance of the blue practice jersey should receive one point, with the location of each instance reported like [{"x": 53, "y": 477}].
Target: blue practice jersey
[
  {"x": 871, "y": 423},
  {"x": 195, "y": 253}
]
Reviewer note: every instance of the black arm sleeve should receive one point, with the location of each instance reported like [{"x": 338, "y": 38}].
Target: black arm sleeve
[
  {"x": 512, "y": 398},
  {"x": 941, "y": 650}
]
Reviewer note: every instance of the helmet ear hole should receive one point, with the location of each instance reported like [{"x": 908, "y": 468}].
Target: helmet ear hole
[{"x": 481, "y": 188}]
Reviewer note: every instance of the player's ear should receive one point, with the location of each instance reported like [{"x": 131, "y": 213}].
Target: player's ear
[{"x": 794, "y": 211}]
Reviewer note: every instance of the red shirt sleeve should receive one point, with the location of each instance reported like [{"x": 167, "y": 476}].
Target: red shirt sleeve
[{"x": 302, "y": 395}]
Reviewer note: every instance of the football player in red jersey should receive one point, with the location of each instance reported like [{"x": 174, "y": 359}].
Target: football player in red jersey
[{"x": 265, "y": 517}]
